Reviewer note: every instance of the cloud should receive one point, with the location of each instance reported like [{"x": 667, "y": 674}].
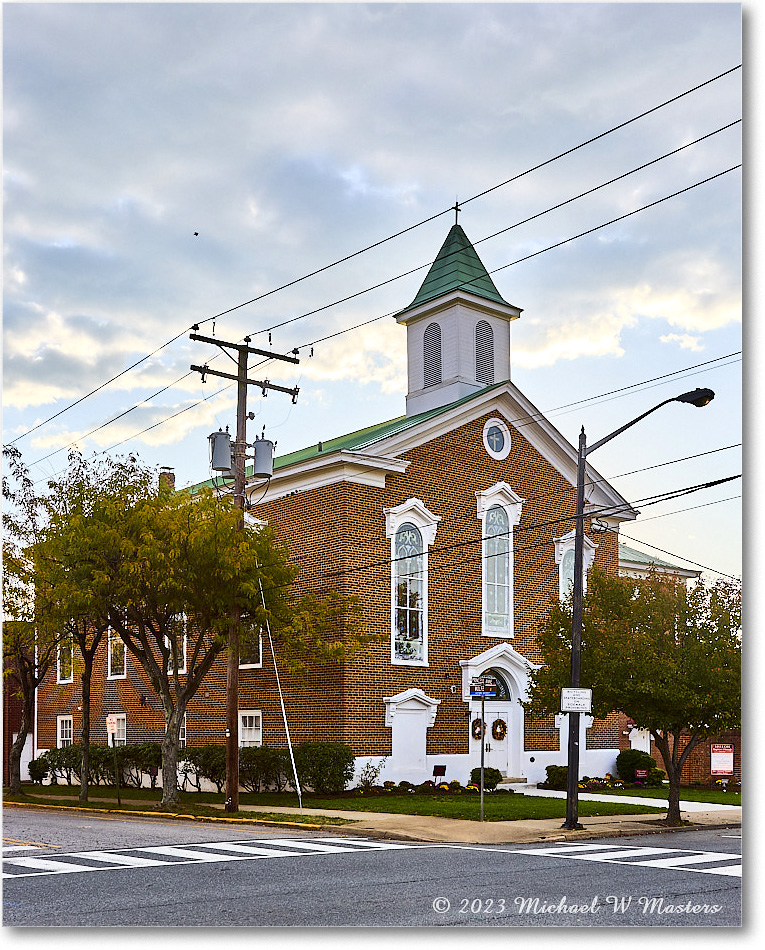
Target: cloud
[{"x": 684, "y": 341}]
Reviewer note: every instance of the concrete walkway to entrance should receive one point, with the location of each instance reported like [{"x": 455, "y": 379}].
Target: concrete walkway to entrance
[{"x": 624, "y": 799}]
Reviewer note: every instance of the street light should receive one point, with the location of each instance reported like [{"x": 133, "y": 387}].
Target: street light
[{"x": 699, "y": 398}]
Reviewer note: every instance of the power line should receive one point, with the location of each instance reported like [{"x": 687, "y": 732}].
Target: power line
[{"x": 378, "y": 244}]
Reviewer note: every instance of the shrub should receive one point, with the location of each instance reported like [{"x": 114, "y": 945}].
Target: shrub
[
  {"x": 629, "y": 760},
  {"x": 38, "y": 770},
  {"x": 208, "y": 762},
  {"x": 491, "y": 778},
  {"x": 370, "y": 773},
  {"x": 139, "y": 758},
  {"x": 326, "y": 767},
  {"x": 425, "y": 788},
  {"x": 63, "y": 763},
  {"x": 557, "y": 777},
  {"x": 261, "y": 768}
]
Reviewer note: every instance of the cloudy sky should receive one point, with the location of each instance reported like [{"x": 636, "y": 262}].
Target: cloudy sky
[{"x": 172, "y": 164}]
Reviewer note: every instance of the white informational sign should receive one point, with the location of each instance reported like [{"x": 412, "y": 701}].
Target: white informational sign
[
  {"x": 575, "y": 700},
  {"x": 111, "y": 724},
  {"x": 722, "y": 759}
]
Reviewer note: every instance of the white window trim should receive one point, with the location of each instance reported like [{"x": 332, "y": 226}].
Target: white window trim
[
  {"x": 59, "y": 722},
  {"x": 120, "y": 736},
  {"x": 111, "y": 634},
  {"x": 502, "y": 496},
  {"x": 562, "y": 547},
  {"x": 258, "y": 741},
  {"x": 59, "y": 678},
  {"x": 182, "y": 733},
  {"x": 505, "y": 430},
  {"x": 414, "y": 512}
]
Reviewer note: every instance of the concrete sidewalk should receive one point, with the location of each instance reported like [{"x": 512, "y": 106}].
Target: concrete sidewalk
[
  {"x": 456, "y": 831},
  {"x": 423, "y": 828}
]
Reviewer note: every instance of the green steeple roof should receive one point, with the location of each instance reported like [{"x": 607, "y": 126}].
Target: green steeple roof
[{"x": 457, "y": 266}]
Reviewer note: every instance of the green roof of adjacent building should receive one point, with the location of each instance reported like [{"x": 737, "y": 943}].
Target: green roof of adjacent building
[
  {"x": 640, "y": 557},
  {"x": 456, "y": 267}
]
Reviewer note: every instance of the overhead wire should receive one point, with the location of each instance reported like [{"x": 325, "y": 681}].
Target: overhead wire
[{"x": 376, "y": 244}]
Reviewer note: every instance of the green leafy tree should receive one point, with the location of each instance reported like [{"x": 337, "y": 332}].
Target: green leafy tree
[
  {"x": 166, "y": 572},
  {"x": 69, "y": 598},
  {"x": 29, "y": 639},
  {"x": 666, "y": 655}
]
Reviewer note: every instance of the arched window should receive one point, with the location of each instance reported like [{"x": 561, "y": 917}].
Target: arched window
[
  {"x": 431, "y": 350},
  {"x": 497, "y": 566},
  {"x": 409, "y": 588},
  {"x": 484, "y": 353}
]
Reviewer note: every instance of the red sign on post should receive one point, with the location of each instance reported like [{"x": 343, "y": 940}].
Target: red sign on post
[{"x": 721, "y": 758}]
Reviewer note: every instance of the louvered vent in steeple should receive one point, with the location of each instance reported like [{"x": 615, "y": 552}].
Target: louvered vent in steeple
[
  {"x": 484, "y": 353},
  {"x": 431, "y": 345}
]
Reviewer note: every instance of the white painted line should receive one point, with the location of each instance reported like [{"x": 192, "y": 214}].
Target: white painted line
[
  {"x": 119, "y": 859},
  {"x": 247, "y": 849},
  {"x": 186, "y": 853},
  {"x": 699, "y": 858},
  {"x": 19, "y": 847},
  {"x": 43, "y": 864}
]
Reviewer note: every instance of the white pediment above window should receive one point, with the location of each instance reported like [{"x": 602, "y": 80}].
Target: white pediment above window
[
  {"x": 411, "y": 700},
  {"x": 414, "y": 512},
  {"x": 566, "y": 543},
  {"x": 500, "y": 494}
]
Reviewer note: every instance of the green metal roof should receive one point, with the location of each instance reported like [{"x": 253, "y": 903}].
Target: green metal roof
[
  {"x": 457, "y": 266},
  {"x": 360, "y": 439},
  {"x": 365, "y": 437},
  {"x": 640, "y": 557}
]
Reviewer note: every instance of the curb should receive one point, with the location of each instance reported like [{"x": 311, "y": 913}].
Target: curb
[{"x": 305, "y": 826}]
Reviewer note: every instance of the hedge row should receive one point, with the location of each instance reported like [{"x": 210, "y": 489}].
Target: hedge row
[{"x": 325, "y": 767}]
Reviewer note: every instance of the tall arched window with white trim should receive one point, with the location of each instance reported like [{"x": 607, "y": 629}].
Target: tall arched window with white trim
[
  {"x": 411, "y": 529},
  {"x": 499, "y": 509},
  {"x": 431, "y": 354},
  {"x": 484, "y": 353},
  {"x": 498, "y": 591},
  {"x": 409, "y": 587}
]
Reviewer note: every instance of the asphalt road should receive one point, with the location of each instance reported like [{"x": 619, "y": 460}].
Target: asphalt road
[{"x": 63, "y": 869}]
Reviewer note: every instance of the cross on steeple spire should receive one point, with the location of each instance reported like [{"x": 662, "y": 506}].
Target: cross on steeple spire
[{"x": 456, "y": 212}]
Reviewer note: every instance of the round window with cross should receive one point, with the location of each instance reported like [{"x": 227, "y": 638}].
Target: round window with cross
[{"x": 496, "y": 439}]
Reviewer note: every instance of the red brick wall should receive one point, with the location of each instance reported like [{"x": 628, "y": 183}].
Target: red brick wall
[{"x": 337, "y": 534}]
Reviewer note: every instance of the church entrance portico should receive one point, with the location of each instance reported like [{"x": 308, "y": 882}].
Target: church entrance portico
[{"x": 503, "y": 716}]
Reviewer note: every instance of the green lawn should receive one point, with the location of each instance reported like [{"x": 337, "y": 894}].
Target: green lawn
[
  {"x": 497, "y": 807},
  {"x": 713, "y": 796}
]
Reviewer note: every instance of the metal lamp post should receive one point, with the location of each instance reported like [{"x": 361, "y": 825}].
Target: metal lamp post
[{"x": 699, "y": 398}]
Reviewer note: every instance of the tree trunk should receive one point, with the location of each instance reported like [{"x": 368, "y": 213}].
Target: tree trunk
[
  {"x": 87, "y": 671},
  {"x": 170, "y": 794},
  {"x": 673, "y": 769},
  {"x": 14, "y": 757}
]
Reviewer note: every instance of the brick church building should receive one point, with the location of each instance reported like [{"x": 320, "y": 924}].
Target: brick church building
[{"x": 453, "y": 524}]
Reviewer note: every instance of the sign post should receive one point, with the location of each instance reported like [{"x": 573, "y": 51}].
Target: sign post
[
  {"x": 111, "y": 730},
  {"x": 483, "y": 686},
  {"x": 721, "y": 756}
]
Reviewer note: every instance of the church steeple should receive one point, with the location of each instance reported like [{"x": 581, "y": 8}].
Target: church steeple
[
  {"x": 457, "y": 267},
  {"x": 458, "y": 329}
]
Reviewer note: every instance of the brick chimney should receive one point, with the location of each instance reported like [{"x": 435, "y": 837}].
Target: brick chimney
[{"x": 167, "y": 477}]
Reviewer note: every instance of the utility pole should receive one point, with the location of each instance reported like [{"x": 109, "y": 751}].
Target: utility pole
[{"x": 243, "y": 351}]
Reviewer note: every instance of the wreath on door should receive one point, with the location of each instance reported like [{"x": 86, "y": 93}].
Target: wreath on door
[
  {"x": 478, "y": 729},
  {"x": 499, "y": 729}
]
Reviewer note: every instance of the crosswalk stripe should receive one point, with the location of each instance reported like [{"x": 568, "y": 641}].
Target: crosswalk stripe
[
  {"x": 676, "y": 858},
  {"x": 119, "y": 859},
  {"x": 44, "y": 864},
  {"x": 701, "y": 858},
  {"x": 248, "y": 849}
]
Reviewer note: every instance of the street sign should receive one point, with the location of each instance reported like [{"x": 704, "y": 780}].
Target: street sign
[
  {"x": 483, "y": 686},
  {"x": 111, "y": 725},
  {"x": 722, "y": 758},
  {"x": 575, "y": 700}
]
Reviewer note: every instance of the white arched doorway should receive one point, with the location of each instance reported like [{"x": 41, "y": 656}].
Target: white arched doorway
[{"x": 503, "y": 740}]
